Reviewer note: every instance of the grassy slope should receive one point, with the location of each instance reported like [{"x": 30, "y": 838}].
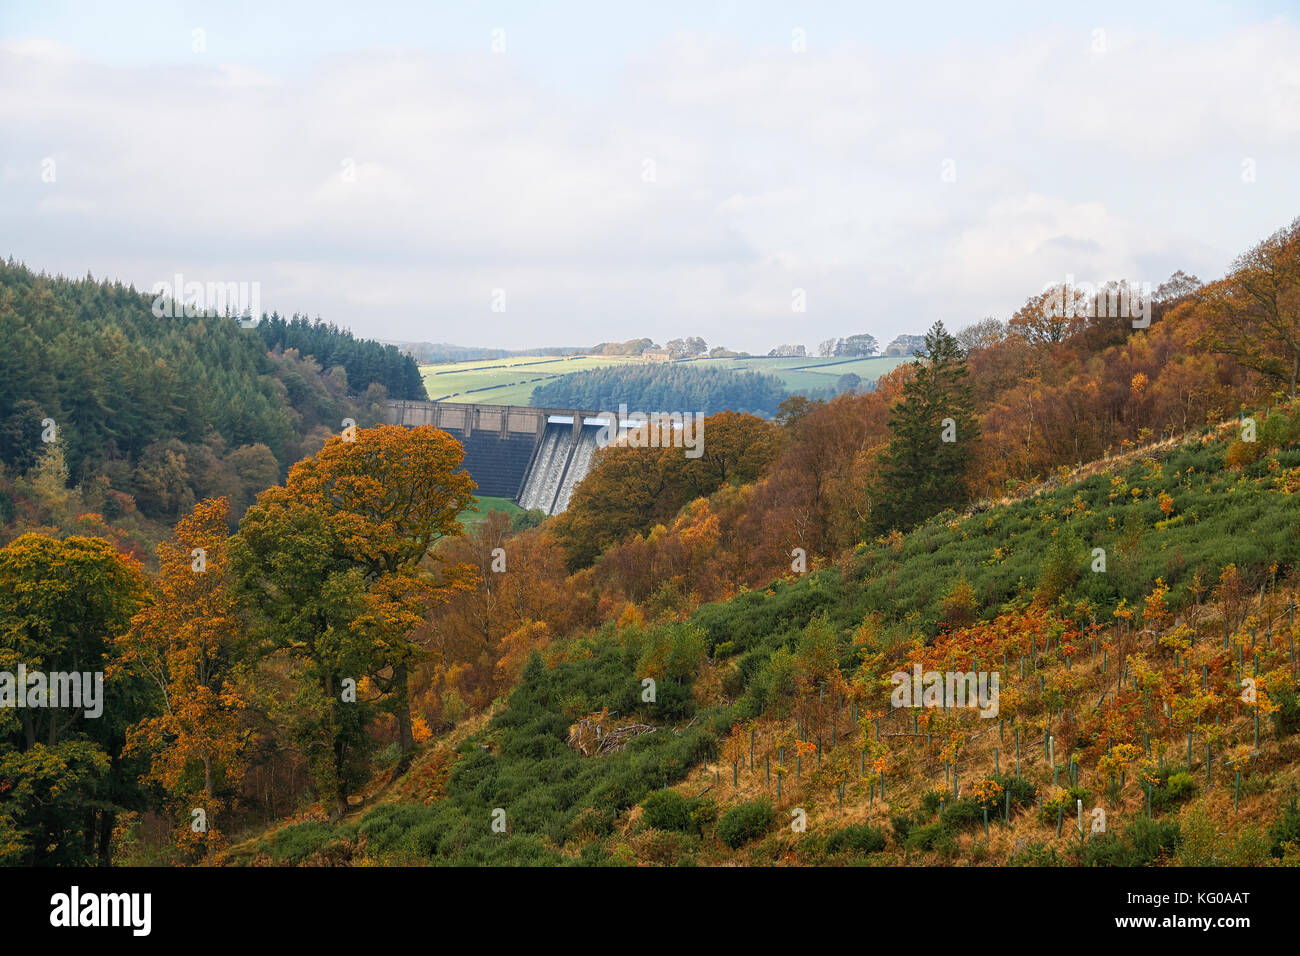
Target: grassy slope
[
  {"x": 810, "y": 373},
  {"x": 563, "y": 807},
  {"x": 486, "y": 505},
  {"x": 507, "y": 381}
]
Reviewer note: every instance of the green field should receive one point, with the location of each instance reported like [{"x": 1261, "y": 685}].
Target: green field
[
  {"x": 505, "y": 381},
  {"x": 511, "y": 381},
  {"x": 809, "y": 373}
]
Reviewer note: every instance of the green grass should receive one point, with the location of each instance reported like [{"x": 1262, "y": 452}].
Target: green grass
[{"x": 488, "y": 504}]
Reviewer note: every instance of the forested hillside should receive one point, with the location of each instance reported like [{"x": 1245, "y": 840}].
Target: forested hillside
[
  {"x": 366, "y": 362},
  {"x": 114, "y": 419},
  {"x": 663, "y": 388},
  {"x": 1121, "y": 688}
]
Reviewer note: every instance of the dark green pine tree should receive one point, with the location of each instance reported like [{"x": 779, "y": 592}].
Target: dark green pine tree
[{"x": 933, "y": 433}]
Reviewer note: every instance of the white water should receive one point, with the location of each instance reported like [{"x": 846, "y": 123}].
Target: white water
[
  {"x": 551, "y": 481},
  {"x": 578, "y": 467},
  {"x": 548, "y": 469}
]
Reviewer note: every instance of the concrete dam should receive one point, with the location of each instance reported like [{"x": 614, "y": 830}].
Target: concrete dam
[{"x": 533, "y": 456}]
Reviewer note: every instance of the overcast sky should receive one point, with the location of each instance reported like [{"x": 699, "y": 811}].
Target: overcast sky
[{"x": 659, "y": 169}]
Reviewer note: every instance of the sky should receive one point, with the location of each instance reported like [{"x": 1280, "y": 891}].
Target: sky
[{"x": 517, "y": 175}]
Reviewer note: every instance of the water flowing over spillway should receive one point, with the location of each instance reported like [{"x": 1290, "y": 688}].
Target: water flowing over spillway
[
  {"x": 559, "y": 465},
  {"x": 548, "y": 468},
  {"x": 579, "y": 465}
]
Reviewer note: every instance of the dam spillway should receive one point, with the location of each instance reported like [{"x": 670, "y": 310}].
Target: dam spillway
[
  {"x": 532, "y": 456},
  {"x": 563, "y": 459}
]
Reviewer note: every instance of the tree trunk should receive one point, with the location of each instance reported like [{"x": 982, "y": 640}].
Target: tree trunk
[
  {"x": 340, "y": 787},
  {"x": 107, "y": 822},
  {"x": 405, "y": 738}
]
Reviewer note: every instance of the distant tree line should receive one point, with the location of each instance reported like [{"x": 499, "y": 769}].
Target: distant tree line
[
  {"x": 630, "y": 347},
  {"x": 665, "y": 388},
  {"x": 861, "y": 345},
  {"x": 440, "y": 353},
  {"x": 688, "y": 347}
]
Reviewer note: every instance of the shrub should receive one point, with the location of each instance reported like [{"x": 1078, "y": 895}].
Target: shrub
[
  {"x": 1152, "y": 839},
  {"x": 595, "y": 854},
  {"x": 1240, "y": 454},
  {"x": 1023, "y": 793},
  {"x": 1036, "y": 854},
  {"x": 963, "y": 813},
  {"x": 744, "y": 822},
  {"x": 901, "y": 824},
  {"x": 960, "y": 607},
  {"x": 1060, "y": 568},
  {"x": 1286, "y": 829},
  {"x": 664, "y": 848},
  {"x": 593, "y": 822},
  {"x": 668, "y": 810},
  {"x": 296, "y": 843},
  {"x": 422, "y": 840},
  {"x": 1286, "y": 719},
  {"x": 1142, "y": 844},
  {"x": 1205, "y": 843},
  {"x": 703, "y": 813},
  {"x": 523, "y": 850},
  {"x": 1171, "y": 788},
  {"x": 1107, "y": 849},
  {"x": 1065, "y": 805},
  {"x": 388, "y": 826},
  {"x": 927, "y": 837},
  {"x": 860, "y": 838}
]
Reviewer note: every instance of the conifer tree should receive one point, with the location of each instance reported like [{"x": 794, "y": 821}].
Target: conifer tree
[{"x": 933, "y": 432}]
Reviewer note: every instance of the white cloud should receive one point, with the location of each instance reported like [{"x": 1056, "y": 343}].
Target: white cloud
[{"x": 392, "y": 191}]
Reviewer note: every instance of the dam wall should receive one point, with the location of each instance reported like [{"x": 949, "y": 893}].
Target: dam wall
[{"x": 533, "y": 456}]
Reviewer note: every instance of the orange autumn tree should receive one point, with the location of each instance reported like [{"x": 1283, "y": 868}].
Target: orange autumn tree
[
  {"x": 339, "y": 569},
  {"x": 391, "y": 494},
  {"x": 479, "y": 639},
  {"x": 185, "y": 643},
  {"x": 1253, "y": 314}
]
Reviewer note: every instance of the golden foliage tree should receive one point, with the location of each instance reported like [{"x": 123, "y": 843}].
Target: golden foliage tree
[{"x": 187, "y": 643}]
